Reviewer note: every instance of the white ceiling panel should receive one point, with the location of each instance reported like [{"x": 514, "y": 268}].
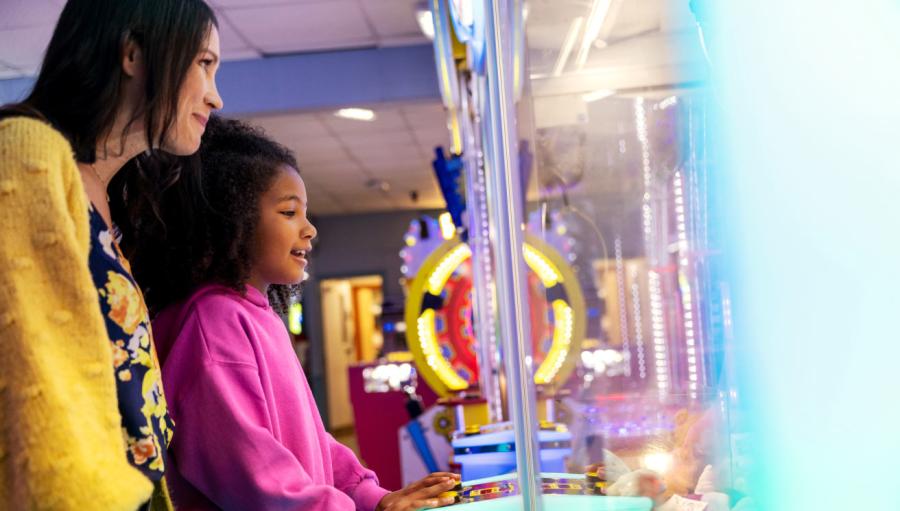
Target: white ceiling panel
[
  {"x": 311, "y": 159},
  {"x": 314, "y": 145},
  {"x": 380, "y": 164},
  {"x": 394, "y": 167},
  {"x": 230, "y": 39},
  {"x": 394, "y": 20},
  {"x": 292, "y": 127},
  {"x": 336, "y": 173},
  {"x": 385, "y": 152},
  {"x": 425, "y": 115},
  {"x": 256, "y": 3},
  {"x": 28, "y": 49},
  {"x": 387, "y": 138},
  {"x": 302, "y": 26},
  {"x": 403, "y": 171},
  {"x": 429, "y": 139},
  {"x": 338, "y": 157},
  {"x": 28, "y": 13},
  {"x": 385, "y": 120}
]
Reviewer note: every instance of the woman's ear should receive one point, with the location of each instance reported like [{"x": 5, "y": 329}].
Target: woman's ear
[{"x": 132, "y": 58}]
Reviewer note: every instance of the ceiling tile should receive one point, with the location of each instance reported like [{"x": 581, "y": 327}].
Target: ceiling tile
[
  {"x": 396, "y": 153},
  {"x": 337, "y": 157},
  {"x": 394, "y": 19},
  {"x": 421, "y": 115},
  {"x": 389, "y": 138},
  {"x": 303, "y": 26},
  {"x": 314, "y": 145},
  {"x": 255, "y": 3},
  {"x": 429, "y": 139},
  {"x": 389, "y": 167},
  {"x": 310, "y": 159},
  {"x": 410, "y": 174},
  {"x": 28, "y": 13},
  {"x": 334, "y": 175},
  {"x": 385, "y": 120},
  {"x": 29, "y": 47},
  {"x": 230, "y": 39},
  {"x": 371, "y": 201},
  {"x": 291, "y": 128}
]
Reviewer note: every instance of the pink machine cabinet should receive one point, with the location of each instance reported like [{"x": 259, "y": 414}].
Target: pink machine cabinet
[{"x": 379, "y": 411}]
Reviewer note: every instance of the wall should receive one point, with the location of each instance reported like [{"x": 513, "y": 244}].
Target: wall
[{"x": 350, "y": 245}]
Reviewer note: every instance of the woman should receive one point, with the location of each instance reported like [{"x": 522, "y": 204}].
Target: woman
[{"x": 84, "y": 423}]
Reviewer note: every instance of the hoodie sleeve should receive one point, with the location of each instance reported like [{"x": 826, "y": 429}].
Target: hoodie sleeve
[{"x": 354, "y": 480}]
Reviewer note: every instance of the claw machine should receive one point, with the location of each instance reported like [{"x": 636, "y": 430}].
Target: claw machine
[{"x": 587, "y": 121}]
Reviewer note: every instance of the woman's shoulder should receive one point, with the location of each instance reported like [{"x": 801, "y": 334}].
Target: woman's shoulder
[{"x": 28, "y": 136}]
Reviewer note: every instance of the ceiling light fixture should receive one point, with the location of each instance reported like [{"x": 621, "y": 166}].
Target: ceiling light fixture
[
  {"x": 568, "y": 45},
  {"x": 356, "y": 114},
  {"x": 425, "y": 20},
  {"x": 597, "y": 95},
  {"x": 595, "y": 21}
]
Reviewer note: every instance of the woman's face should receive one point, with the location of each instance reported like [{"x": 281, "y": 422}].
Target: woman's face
[{"x": 197, "y": 99}]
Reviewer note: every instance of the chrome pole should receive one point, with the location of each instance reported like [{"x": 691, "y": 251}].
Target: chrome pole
[{"x": 506, "y": 209}]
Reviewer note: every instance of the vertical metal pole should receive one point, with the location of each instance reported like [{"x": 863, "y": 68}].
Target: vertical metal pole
[{"x": 512, "y": 300}]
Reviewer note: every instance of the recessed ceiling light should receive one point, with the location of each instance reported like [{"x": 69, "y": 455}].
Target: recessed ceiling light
[
  {"x": 425, "y": 20},
  {"x": 597, "y": 95},
  {"x": 357, "y": 114}
]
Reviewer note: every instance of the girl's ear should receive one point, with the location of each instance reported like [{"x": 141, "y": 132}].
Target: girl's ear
[{"x": 132, "y": 58}]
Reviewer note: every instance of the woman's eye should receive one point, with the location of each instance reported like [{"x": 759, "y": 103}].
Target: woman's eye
[{"x": 206, "y": 62}]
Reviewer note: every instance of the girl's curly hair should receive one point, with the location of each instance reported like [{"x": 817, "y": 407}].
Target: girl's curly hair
[{"x": 188, "y": 221}]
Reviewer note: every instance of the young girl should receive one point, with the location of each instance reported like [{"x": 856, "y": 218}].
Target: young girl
[
  {"x": 249, "y": 435},
  {"x": 83, "y": 420}
]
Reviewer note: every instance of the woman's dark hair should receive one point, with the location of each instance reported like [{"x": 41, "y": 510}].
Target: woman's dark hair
[
  {"x": 78, "y": 88},
  {"x": 199, "y": 226}
]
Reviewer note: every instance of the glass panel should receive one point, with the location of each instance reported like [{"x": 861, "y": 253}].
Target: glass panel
[{"x": 614, "y": 116}]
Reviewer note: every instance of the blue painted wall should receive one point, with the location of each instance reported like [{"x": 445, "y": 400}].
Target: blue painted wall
[{"x": 311, "y": 81}]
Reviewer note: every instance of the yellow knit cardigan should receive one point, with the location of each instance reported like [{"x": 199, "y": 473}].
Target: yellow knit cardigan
[{"x": 61, "y": 444}]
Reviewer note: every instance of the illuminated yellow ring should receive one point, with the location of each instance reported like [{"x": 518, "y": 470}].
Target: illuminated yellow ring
[{"x": 543, "y": 260}]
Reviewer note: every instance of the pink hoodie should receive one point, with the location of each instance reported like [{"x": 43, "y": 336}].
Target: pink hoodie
[{"x": 247, "y": 431}]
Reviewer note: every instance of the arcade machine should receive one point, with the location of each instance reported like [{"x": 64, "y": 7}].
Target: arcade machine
[
  {"x": 444, "y": 346},
  {"x": 610, "y": 94}
]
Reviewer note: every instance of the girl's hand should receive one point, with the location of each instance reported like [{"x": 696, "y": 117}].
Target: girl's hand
[{"x": 422, "y": 494}]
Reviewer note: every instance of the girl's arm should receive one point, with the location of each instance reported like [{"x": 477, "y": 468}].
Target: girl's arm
[
  {"x": 223, "y": 444},
  {"x": 354, "y": 480},
  {"x": 61, "y": 444}
]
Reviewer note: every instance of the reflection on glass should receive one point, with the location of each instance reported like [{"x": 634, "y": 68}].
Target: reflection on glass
[{"x": 615, "y": 112}]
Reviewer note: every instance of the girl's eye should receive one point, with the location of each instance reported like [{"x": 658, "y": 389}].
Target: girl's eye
[
  {"x": 289, "y": 214},
  {"x": 206, "y": 62}
]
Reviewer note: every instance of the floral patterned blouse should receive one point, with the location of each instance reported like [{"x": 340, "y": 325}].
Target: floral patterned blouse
[{"x": 146, "y": 425}]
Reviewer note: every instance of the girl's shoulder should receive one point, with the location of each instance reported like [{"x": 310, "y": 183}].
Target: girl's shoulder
[
  {"x": 213, "y": 320},
  {"x": 216, "y": 295},
  {"x": 220, "y": 308}
]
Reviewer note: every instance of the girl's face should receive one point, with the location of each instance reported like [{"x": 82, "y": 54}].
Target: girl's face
[
  {"x": 197, "y": 99},
  {"x": 283, "y": 235}
]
